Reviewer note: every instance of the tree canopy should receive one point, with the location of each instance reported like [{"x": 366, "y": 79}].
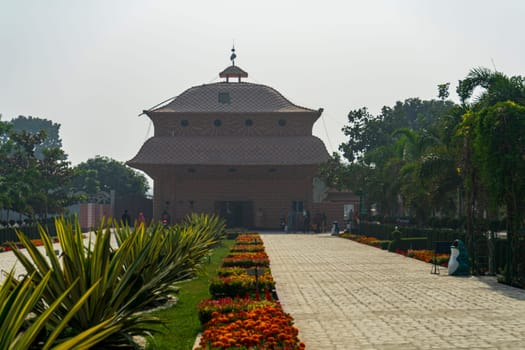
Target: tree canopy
[
  {"x": 36, "y": 177},
  {"x": 31, "y": 184},
  {"x": 437, "y": 159},
  {"x": 105, "y": 174},
  {"x": 34, "y": 126},
  {"x": 388, "y": 153},
  {"x": 493, "y": 128}
]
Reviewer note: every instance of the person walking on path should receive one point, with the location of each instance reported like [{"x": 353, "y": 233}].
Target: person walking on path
[
  {"x": 126, "y": 219},
  {"x": 291, "y": 221},
  {"x": 306, "y": 218}
]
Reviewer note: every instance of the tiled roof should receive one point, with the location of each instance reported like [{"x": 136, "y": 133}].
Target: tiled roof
[
  {"x": 236, "y": 98},
  {"x": 233, "y": 71},
  {"x": 226, "y": 150}
]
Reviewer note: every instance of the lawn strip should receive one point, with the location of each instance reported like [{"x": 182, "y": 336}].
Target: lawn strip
[{"x": 181, "y": 320}]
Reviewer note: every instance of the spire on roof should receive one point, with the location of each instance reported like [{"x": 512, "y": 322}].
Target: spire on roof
[
  {"x": 233, "y": 56},
  {"x": 233, "y": 71}
]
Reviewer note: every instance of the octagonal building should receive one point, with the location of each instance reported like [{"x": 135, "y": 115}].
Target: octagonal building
[{"x": 234, "y": 148}]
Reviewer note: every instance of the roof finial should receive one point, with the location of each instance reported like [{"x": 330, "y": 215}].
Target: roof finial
[{"x": 233, "y": 55}]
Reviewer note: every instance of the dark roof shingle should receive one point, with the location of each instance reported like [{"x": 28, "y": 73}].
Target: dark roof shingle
[
  {"x": 233, "y": 71},
  {"x": 225, "y": 150},
  {"x": 242, "y": 98}
]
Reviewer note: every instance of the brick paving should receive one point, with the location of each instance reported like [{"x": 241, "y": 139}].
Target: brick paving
[
  {"x": 346, "y": 295},
  {"x": 8, "y": 261}
]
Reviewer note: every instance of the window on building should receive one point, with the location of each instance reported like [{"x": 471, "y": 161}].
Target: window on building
[
  {"x": 282, "y": 122},
  {"x": 224, "y": 98},
  {"x": 184, "y": 123},
  {"x": 248, "y": 122},
  {"x": 217, "y": 122}
]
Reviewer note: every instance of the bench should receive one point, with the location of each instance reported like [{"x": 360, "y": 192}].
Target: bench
[{"x": 440, "y": 247}]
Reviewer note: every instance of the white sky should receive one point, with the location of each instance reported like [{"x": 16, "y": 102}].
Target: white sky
[{"x": 93, "y": 66}]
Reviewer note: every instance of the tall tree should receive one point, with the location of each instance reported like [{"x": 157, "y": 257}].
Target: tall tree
[
  {"x": 391, "y": 146},
  {"x": 497, "y": 86},
  {"x": 366, "y": 131},
  {"x": 495, "y": 128},
  {"x": 34, "y": 125},
  {"x": 5, "y": 149},
  {"x": 106, "y": 174},
  {"x": 32, "y": 184}
]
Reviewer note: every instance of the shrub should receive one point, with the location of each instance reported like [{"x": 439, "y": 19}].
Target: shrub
[
  {"x": 383, "y": 244},
  {"x": 18, "y": 326},
  {"x": 124, "y": 280},
  {"x": 396, "y": 240}
]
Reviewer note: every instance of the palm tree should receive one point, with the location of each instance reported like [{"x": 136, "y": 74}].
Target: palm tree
[
  {"x": 492, "y": 129},
  {"x": 497, "y": 86}
]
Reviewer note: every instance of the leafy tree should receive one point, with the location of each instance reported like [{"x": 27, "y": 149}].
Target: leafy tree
[
  {"x": 392, "y": 147},
  {"x": 19, "y": 169},
  {"x": 106, "y": 174},
  {"x": 30, "y": 184},
  {"x": 443, "y": 93},
  {"x": 366, "y": 131},
  {"x": 493, "y": 129},
  {"x": 5, "y": 145},
  {"x": 335, "y": 173},
  {"x": 36, "y": 125},
  {"x": 499, "y": 148},
  {"x": 498, "y": 88}
]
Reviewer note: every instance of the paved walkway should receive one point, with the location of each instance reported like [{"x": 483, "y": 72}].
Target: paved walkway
[
  {"x": 8, "y": 259},
  {"x": 346, "y": 295}
]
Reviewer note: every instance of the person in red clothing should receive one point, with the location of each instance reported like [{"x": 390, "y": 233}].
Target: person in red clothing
[{"x": 141, "y": 219}]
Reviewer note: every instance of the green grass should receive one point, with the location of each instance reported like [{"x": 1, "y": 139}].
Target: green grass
[{"x": 182, "y": 322}]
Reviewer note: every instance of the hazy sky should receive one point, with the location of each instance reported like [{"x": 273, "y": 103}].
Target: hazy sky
[{"x": 93, "y": 66}]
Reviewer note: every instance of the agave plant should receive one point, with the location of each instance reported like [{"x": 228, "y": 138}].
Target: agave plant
[
  {"x": 19, "y": 329},
  {"x": 212, "y": 223},
  {"x": 96, "y": 274},
  {"x": 176, "y": 253},
  {"x": 107, "y": 286}
]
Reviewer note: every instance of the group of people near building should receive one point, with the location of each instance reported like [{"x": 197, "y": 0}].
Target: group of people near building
[
  {"x": 126, "y": 219},
  {"x": 141, "y": 219},
  {"x": 302, "y": 221}
]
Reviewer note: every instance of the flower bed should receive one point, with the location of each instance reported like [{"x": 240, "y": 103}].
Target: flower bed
[
  {"x": 229, "y": 271},
  {"x": 427, "y": 256},
  {"x": 420, "y": 254},
  {"x": 246, "y": 260},
  {"x": 241, "y": 284},
  {"x": 249, "y": 322},
  {"x": 207, "y": 307},
  {"x": 247, "y": 248},
  {"x": 248, "y": 238},
  {"x": 7, "y": 246},
  {"x": 265, "y": 326},
  {"x": 372, "y": 241}
]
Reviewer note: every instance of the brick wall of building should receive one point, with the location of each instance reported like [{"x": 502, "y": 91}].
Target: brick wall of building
[
  {"x": 258, "y": 125},
  {"x": 271, "y": 197}
]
